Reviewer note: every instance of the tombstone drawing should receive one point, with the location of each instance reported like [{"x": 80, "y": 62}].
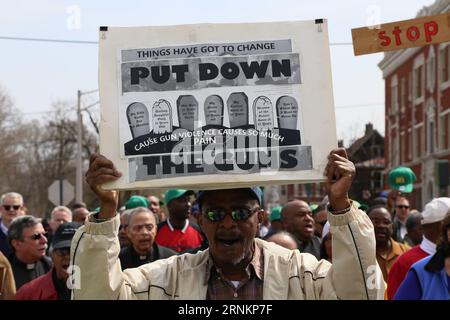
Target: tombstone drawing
[
  {"x": 237, "y": 105},
  {"x": 187, "y": 108},
  {"x": 287, "y": 112},
  {"x": 138, "y": 119},
  {"x": 162, "y": 117},
  {"x": 214, "y": 110},
  {"x": 263, "y": 113}
]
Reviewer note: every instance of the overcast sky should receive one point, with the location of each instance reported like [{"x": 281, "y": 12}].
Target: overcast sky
[{"x": 36, "y": 74}]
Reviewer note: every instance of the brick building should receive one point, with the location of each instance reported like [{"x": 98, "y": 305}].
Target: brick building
[{"x": 417, "y": 118}]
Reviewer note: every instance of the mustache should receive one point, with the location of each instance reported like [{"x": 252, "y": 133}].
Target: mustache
[{"x": 228, "y": 235}]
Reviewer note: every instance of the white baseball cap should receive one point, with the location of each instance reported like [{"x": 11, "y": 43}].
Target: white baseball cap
[{"x": 436, "y": 210}]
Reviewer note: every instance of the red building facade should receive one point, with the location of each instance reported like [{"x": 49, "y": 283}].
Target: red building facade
[{"x": 417, "y": 113}]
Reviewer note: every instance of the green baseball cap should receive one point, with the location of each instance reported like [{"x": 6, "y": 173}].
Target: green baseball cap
[
  {"x": 275, "y": 214},
  {"x": 173, "y": 194},
  {"x": 402, "y": 179},
  {"x": 136, "y": 201}
]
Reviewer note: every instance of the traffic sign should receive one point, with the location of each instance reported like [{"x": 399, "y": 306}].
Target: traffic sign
[{"x": 61, "y": 192}]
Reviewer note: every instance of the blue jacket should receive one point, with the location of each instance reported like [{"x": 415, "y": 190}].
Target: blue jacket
[{"x": 421, "y": 283}]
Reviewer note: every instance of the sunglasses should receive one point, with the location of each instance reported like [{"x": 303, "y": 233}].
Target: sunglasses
[
  {"x": 402, "y": 207},
  {"x": 9, "y": 207},
  {"x": 37, "y": 236},
  {"x": 236, "y": 214}
]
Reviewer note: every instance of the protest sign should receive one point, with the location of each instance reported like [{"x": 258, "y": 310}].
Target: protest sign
[
  {"x": 402, "y": 34},
  {"x": 216, "y": 105}
]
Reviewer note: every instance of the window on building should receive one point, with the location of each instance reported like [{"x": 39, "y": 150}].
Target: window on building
[
  {"x": 410, "y": 81},
  {"x": 394, "y": 95},
  {"x": 445, "y": 131},
  {"x": 418, "y": 141},
  {"x": 430, "y": 137},
  {"x": 402, "y": 94},
  {"x": 410, "y": 145},
  {"x": 431, "y": 70},
  {"x": 418, "y": 78},
  {"x": 444, "y": 64},
  {"x": 402, "y": 147}
]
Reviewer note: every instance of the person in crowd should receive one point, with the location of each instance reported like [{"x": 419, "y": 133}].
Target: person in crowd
[
  {"x": 7, "y": 283},
  {"x": 429, "y": 278},
  {"x": 28, "y": 240},
  {"x": 414, "y": 231},
  {"x": 401, "y": 213},
  {"x": 136, "y": 201},
  {"x": 387, "y": 249},
  {"x": 142, "y": 231},
  {"x": 78, "y": 205},
  {"x": 275, "y": 221},
  {"x": 154, "y": 204},
  {"x": 79, "y": 215},
  {"x": 320, "y": 217},
  {"x": 326, "y": 243},
  {"x": 284, "y": 239},
  {"x": 264, "y": 226},
  {"x": 11, "y": 207},
  {"x": 176, "y": 232},
  {"x": 296, "y": 217},
  {"x": 53, "y": 284},
  {"x": 432, "y": 217},
  {"x": 58, "y": 216},
  {"x": 237, "y": 265},
  {"x": 124, "y": 241}
]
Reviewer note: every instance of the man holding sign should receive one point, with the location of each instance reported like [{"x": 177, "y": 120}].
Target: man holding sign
[{"x": 236, "y": 265}]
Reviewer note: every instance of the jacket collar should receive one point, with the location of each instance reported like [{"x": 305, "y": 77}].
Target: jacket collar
[{"x": 275, "y": 282}]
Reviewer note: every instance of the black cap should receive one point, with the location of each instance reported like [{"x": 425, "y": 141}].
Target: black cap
[{"x": 64, "y": 234}]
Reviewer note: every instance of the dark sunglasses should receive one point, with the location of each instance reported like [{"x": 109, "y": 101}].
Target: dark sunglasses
[
  {"x": 37, "y": 236},
  {"x": 8, "y": 207},
  {"x": 402, "y": 207},
  {"x": 236, "y": 214}
]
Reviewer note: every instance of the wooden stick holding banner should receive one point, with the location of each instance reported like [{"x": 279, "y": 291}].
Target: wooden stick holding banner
[{"x": 402, "y": 34}]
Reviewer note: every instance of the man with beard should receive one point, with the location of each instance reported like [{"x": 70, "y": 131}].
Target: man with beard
[
  {"x": 388, "y": 250},
  {"x": 177, "y": 233},
  {"x": 236, "y": 265},
  {"x": 143, "y": 249},
  {"x": 28, "y": 240},
  {"x": 297, "y": 219},
  {"x": 53, "y": 284}
]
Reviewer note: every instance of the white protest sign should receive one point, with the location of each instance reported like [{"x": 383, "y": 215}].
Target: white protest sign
[{"x": 216, "y": 105}]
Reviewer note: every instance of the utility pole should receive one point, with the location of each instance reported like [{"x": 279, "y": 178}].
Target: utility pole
[
  {"x": 79, "y": 179},
  {"x": 79, "y": 171}
]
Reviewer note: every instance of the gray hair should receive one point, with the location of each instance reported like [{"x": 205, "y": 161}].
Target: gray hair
[
  {"x": 135, "y": 211},
  {"x": 15, "y": 231},
  {"x": 60, "y": 208},
  {"x": 12, "y": 195}
]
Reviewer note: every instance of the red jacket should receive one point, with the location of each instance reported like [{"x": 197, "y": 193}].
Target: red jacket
[
  {"x": 400, "y": 268},
  {"x": 41, "y": 288}
]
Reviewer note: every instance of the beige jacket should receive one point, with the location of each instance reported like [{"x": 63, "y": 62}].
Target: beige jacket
[
  {"x": 7, "y": 283},
  {"x": 287, "y": 274}
]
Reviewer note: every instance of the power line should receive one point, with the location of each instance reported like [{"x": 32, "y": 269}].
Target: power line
[
  {"x": 96, "y": 42},
  {"x": 48, "y": 40},
  {"x": 360, "y": 105}
]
